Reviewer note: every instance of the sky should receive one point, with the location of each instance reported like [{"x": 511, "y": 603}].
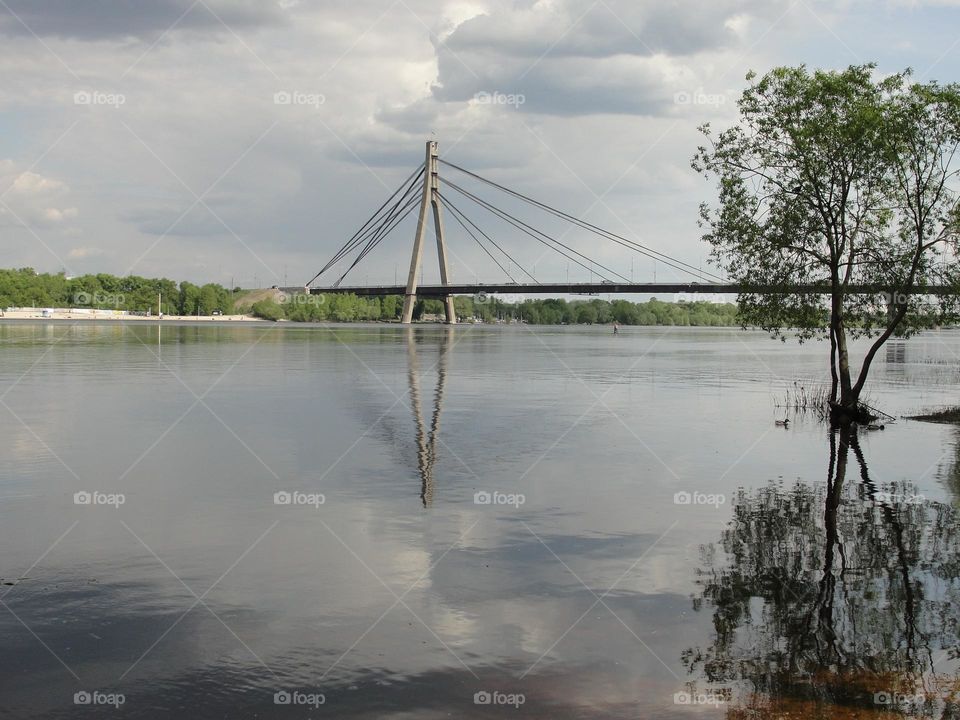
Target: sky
[{"x": 244, "y": 141}]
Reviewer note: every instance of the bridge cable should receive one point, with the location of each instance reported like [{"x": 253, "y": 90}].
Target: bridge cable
[
  {"x": 606, "y": 234},
  {"x": 455, "y": 213},
  {"x": 630, "y": 244},
  {"x": 524, "y": 227},
  {"x": 397, "y": 216},
  {"x": 390, "y": 221},
  {"x": 535, "y": 233},
  {"x": 358, "y": 236},
  {"x": 490, "y": 239},
  {"x": 375, "y": 233}
]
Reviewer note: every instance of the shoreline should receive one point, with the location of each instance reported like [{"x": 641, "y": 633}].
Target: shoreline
[{"x": 33, "y": 316}]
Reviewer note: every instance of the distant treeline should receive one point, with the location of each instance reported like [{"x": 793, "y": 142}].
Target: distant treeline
[
  {"x": 353, "y": 308},
  {"x": 27, "y": 288}
]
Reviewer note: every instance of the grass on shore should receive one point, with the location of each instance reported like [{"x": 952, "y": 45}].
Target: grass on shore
[{"x": 947, "y": 415}]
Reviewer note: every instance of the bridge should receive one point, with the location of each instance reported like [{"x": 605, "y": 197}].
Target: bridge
[
  {"x": 442, "y": 291},
  {"x": 423, "y": 188}
]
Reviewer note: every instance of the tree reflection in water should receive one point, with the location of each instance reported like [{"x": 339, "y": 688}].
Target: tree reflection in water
[
  {"x": 836, "y": 600},
  {"x": 950, "y": 472}
]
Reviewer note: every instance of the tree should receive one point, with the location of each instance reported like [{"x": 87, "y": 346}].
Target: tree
[
  {"x": 626, "y": 313},
  {"x": 463, "y": 306},
  {"x": 603, "y": 310},
  {"x": 209, "y": 300},
  {"x": 267, "y": 310},
  {"x": 390, "y": 307},
  {"x": 586, "y": 313},
  {"x": 847, "y": 183},
  {"x": 189, "y": 298}
]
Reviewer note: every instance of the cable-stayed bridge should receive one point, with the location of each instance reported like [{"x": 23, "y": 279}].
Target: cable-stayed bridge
[{"x": 422, "y": 188}]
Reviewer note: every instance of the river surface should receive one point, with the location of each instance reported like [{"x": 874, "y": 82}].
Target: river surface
[{"x": 378, "y": 522}]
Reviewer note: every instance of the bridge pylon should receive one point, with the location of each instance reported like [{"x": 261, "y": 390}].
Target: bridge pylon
[{"x": 431, "y": 199}]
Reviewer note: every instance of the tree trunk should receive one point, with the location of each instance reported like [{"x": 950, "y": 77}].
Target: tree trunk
[
  {"x": 878, "y": 343},
  {"x": 848, "y": 397},
  {"x": 834, "y": 378},
  {"x": 847, "y": 410}
]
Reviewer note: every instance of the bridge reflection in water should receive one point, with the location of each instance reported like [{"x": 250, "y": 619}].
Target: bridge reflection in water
[{"x": 427, "y": 439}]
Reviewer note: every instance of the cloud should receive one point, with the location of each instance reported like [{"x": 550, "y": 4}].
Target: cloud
[
  {"x": 118, "y": 19},
  {"x": 587, "y": 29},
  {"x": 600, "y": 116},
  {"x": 569, "y": 86},
  {"x": 82, "y": 253},
  {"x": 30, "y": 183},
  {"x": 56, "y": 215},
  {"x": 575, "y": 57},
  {"x": 33, "y": 199}
]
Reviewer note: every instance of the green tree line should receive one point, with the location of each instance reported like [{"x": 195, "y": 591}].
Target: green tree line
[
  {"x": 353, "y": 308},
  {"x": 27, "y": 288}
]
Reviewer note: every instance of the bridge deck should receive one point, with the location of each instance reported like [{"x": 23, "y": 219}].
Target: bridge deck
[{"x": 583, "y": 289}]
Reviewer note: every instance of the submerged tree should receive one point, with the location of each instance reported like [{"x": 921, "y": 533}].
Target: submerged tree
[{"x": 846, "y": 183}]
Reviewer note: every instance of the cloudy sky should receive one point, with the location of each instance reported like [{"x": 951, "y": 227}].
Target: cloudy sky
[{"x": 147, "y": 137}]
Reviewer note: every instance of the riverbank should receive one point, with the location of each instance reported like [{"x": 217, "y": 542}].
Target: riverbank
[{"x": 100, "y": 315}]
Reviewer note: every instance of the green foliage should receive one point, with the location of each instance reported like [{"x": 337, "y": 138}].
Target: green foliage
[
  {"x": 562, "y": 312},
  {"x": 27, "y": 288},
  {"x": 845, "y": 180},
  {"x": 354, "y": 308},
  {"x": 586, "y": 314},
  {"x": 203, "y": 300},
  {"x": 267, "y": 310}
]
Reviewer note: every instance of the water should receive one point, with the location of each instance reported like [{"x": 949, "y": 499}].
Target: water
[{"x": 585, "y": 588}]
